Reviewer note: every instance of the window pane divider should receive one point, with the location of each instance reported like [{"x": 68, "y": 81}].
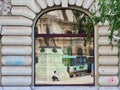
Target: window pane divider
[{"x": 60, "y": 35}]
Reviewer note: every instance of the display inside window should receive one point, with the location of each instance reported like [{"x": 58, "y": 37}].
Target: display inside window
[{"x": 64, "y": 49}]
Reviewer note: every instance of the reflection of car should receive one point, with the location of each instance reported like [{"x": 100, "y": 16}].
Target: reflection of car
[{"x": 75, "y": 65}]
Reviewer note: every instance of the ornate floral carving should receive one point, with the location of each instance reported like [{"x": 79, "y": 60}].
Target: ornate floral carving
[{"x": 5, "y": 7}]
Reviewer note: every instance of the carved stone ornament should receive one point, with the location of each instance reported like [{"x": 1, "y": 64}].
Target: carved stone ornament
[{"x": 5, "y": 7}]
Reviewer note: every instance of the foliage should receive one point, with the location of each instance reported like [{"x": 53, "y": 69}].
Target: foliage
[
  {"x": 109, "y": 11},
  {"x": 82, "y": 24}
]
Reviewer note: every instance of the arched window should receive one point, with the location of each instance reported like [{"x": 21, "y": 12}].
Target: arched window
[{"x": 79, "y": 51}]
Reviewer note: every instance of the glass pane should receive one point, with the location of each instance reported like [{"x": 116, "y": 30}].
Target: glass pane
[
  {"x": 62, "y": 42},
  {"x": 64, "y": 22}
]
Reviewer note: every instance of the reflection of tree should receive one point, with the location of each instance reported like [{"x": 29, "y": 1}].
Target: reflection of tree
[
  {"x": 82, "y": 24},
  {"x": 47, "y": 39}
]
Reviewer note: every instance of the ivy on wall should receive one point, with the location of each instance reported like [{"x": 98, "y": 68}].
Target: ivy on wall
[{"x": 109, "y": 11}]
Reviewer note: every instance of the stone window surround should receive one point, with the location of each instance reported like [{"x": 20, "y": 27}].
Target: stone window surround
[{"x": 72, "y": 8}]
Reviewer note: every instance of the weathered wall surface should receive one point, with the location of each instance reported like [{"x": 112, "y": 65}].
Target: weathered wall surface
[
  {"x": 108, "y": 60},
  {"x": 17, "y": 45}
]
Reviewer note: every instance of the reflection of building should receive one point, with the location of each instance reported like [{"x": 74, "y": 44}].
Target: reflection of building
[
  {"x": 48, "y": 62},
  {"x": 72, "y": 46},
  {"x": 60, "y": 22}
]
